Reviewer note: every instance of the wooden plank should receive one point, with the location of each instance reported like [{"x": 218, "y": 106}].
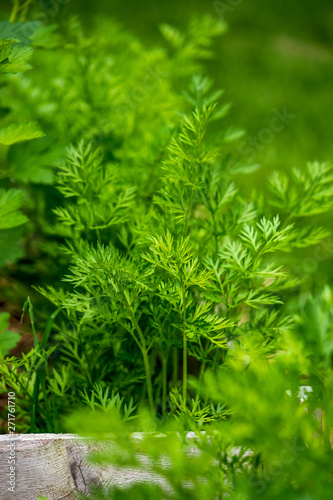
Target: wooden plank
[{"x": 55, "y": 466}]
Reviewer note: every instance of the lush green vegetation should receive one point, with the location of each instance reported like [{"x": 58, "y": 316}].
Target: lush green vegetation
[{"x": 164, "y": 284}]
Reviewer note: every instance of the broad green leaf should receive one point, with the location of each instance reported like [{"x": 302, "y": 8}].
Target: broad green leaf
[
  {"x": 20, "y": 31},
  {"x": 20, "y": 53},
  {"x": 6, "y": 42},
  {"x": 35, "y": 161},
  {"x": 15, "y": 58},
  {"x": 20, "y": 132},
  {"x": 10, "y": 202}
]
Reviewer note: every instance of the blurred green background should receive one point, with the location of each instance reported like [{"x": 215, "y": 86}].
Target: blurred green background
[{"x": 275, "y": 55}]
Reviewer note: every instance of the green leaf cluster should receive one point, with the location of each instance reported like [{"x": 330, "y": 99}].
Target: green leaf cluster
[{"x": 157, "y": 282}]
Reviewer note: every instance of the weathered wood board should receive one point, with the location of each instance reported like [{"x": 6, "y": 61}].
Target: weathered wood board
[{"x": 55, "y": 466}]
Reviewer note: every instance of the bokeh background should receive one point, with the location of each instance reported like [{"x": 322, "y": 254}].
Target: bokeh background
[{"x": 275, "y": 55}]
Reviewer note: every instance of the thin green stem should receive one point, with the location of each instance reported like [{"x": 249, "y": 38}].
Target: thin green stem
[
  {"x": 148, "y": 377},
  {"x": 184, "y": 367},
  {"x": 34, "y": 405},
  {"x": 14, "y": 12},
  {"x": 29, "y": 305},
  {"x": 188, "y": 212},
  {"x": 184, "y": 345},
  {"x": 174, "y": 366},
  {"x": 164, "y": 380},
  {"x": 98, "y": 236},
  {"x": 215, "y": 233},
  {"x": 143, "y": 350}
]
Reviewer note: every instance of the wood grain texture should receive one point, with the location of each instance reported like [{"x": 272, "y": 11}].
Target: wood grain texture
[
  {"x": 55, "y": 466},
  {"x": 46, "y": 464}
]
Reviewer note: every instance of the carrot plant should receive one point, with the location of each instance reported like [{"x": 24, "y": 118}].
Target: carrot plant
[{"x": 158, "y": 279}]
